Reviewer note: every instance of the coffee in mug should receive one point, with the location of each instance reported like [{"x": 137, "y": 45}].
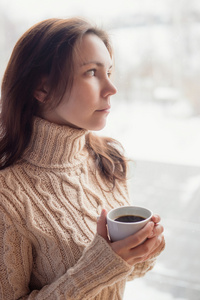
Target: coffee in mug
[{"x": 129, "y": 218}]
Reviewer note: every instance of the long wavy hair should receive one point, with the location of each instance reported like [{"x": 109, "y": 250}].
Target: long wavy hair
[{"x": 47, "y": 49}]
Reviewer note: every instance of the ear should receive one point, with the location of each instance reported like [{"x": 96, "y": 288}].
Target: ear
[{"x": 42, "y": 90}]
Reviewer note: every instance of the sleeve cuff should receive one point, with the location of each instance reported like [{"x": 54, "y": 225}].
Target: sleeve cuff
[{"x": 100, "y": 266}]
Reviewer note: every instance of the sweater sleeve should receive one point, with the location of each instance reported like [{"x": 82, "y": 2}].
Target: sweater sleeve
[
  {"x": 140, "y": 269},
  {"x": 99, "y": 267}
]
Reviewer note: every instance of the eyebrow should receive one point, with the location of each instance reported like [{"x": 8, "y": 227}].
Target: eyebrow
[{"x": 99, "y": 64}]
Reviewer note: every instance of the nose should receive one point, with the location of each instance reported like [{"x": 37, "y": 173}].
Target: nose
[{"x": 109, "y": 89}]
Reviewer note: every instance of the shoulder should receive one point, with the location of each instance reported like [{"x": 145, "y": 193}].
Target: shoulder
[
  {"x": 8, "y": 178},
  {"x": 4, "y": 176}
]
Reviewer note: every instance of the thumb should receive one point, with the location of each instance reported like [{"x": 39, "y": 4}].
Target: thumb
[{"x": 101, "y": 225}]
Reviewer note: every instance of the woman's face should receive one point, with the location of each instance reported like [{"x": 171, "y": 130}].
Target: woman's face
[{"x": 88, "y": 104}]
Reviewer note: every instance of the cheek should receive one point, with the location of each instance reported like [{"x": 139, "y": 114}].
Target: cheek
[
  {"x": 74, "y": 107},
  {"x": 85, "y": 97},
  {"x": 87, "y": 87}
]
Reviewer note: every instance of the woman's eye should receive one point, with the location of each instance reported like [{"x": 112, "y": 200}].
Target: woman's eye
[
  {"x": 109, "y": 74},
  {"x": 91, "y": 72}
]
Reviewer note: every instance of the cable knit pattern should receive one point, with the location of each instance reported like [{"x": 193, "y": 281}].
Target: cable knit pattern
[{"x": 49, "y": 203}]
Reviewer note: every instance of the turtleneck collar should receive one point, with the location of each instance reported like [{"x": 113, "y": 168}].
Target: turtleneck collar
[{"x": 55, "y": 146}]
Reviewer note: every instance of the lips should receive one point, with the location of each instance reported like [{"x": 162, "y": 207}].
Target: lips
[{"x": 106, "y": 109}]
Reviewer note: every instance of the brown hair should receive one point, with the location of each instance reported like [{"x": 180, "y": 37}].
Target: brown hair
[{"x": 47, "y": 49}]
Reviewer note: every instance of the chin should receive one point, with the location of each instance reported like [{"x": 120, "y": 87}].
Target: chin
[{"x": 98, "y": 127}]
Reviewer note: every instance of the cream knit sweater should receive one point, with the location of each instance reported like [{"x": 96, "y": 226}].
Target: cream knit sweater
[{"x": 49, "y": 203}]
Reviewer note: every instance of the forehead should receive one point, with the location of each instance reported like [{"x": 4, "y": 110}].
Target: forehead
[{"x": 92, "y": 49}]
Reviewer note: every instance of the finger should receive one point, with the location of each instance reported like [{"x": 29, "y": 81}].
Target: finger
[
  {"x": 156, "y": 218},
  {"x": 139, "y": 237},
  {"x": 141, "y": 252},
  {"x": 101, "y": 225},
  {"x": 146, "y": 248},
  {"x": 157, "y": 230},
  {"x": 159, "y": 247}
]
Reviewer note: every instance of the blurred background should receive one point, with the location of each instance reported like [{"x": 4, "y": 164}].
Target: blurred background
[{"x": 155, "y": 115}]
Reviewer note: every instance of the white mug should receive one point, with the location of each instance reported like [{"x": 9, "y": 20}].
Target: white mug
[{"x": 120, "y": 230}]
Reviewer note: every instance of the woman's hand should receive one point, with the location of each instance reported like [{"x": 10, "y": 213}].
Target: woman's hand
[{"x": 138, "y": 247}]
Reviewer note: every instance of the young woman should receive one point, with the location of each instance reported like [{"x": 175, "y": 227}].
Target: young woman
[{"x": 57, "y": 177}]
